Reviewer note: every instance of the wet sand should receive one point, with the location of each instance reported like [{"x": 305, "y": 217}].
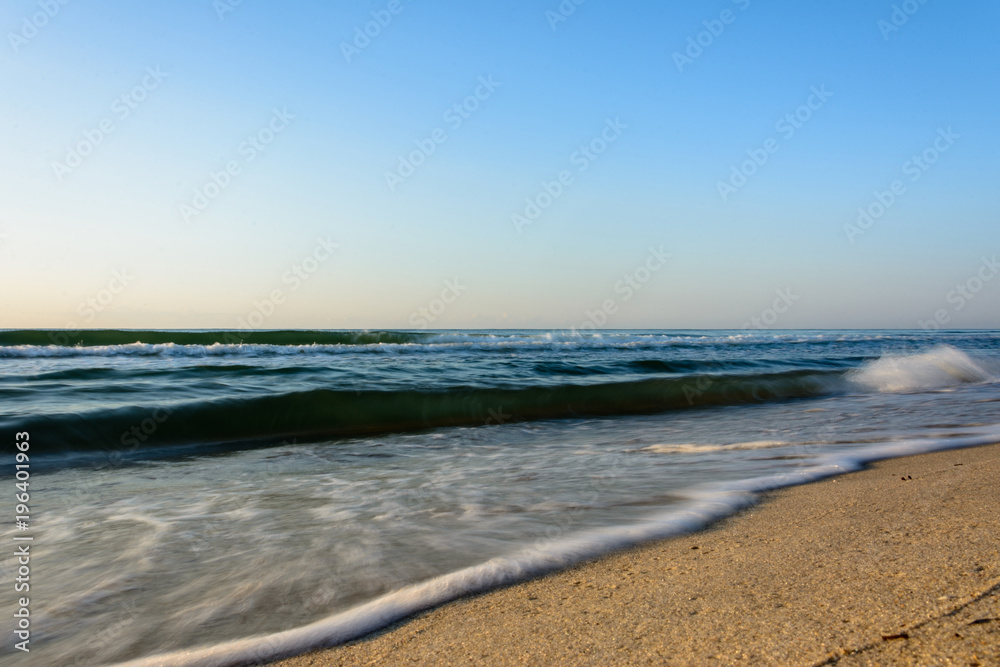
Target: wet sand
[{"x": 896, "y": 564}]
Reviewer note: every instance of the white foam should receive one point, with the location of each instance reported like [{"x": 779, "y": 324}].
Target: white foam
[
  {"x": 707, "y": 504},
  {"x": 704, "y": 448},
  {"x": 942, "y": 366},
  {"x": 445, "y": 340}
]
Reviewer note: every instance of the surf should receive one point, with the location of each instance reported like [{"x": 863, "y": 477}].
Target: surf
[{"x": 324, "y": 413}]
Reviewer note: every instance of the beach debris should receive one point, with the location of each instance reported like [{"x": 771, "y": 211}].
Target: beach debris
[{"x": 901, "y": 635}]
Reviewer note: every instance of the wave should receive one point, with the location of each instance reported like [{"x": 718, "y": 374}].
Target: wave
[
  {"x": 942, "y": 366},
  {"x": 29, "y": 343},
  {"x": 321, "y": 413},
  {"x": 125, "y": 338},
  {"x": 705, "y": 506},
  {"x": 175, "y": 350},
  {"x": 316, "y": 414}
]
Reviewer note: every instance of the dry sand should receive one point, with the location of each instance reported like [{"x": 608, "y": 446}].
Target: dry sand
[{"x": 863, "y": 569}]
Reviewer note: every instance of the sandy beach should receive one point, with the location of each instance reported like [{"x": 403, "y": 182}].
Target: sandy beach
[{"x": 896, "y": 564}]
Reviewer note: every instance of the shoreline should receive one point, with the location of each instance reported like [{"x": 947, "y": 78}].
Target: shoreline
[{"x": 894, "y": 563}]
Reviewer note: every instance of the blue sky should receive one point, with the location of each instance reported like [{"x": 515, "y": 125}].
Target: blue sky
[{"x": 246, "y": 141}]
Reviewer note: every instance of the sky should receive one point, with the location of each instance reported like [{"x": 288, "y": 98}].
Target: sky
[{"x": 415, "y": 164}]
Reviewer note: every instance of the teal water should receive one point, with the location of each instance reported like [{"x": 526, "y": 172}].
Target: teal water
[{"x": 190, "y": 488}]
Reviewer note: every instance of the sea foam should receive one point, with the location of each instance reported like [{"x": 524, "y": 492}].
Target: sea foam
[
  {"x": 707, "y": 504},
  {"x": 939, "y": 367},
  {"x": 693, "y": 448}
]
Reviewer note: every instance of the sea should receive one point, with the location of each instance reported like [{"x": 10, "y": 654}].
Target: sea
[{"x": 225, "y": 497}]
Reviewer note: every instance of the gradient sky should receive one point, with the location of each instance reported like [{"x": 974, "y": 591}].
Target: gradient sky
[{"x": 895, "y": 88}]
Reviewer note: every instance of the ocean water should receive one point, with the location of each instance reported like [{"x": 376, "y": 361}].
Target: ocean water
[{"x": 214, "y": 497}]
